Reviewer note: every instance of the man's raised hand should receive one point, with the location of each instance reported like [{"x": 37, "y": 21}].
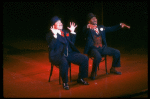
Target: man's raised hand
[{"x": 72, "y": 27}]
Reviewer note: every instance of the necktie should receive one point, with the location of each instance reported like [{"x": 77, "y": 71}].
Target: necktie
[
  {"x": 96, "y": 30},
  {"x": 94, "y": 27}
]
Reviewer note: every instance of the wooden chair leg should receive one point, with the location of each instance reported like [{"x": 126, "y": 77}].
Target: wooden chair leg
[
  {"x": 51, "y": 72},
  {"x": 95, "y": 74},
  {"x": 70, "y": 71},
  {"x": 59, "y": 77},
  {"x": 106, "y": 64}
]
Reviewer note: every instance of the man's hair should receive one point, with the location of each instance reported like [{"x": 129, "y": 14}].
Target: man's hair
[{"x": 54, "y": 19}]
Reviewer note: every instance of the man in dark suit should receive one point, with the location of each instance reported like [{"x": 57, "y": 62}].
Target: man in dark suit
[
  {"x": 96, "y": 45},
  {"x": 63, "y": 51}
]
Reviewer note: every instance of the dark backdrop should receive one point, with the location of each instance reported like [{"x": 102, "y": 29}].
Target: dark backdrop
[{"x": 31, "y": 20}]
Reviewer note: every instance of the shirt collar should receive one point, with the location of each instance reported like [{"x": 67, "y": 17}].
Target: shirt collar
[{"x": 55, "y": 31}]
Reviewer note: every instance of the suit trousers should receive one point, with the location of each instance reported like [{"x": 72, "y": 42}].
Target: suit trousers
[
  {"x": 97, "y": 53},
  {"x": 75, "y": 58}
]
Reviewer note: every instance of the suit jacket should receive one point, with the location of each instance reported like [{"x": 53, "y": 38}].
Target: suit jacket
[
  {"x": 89, "y": 34},
  {"x": 57, "y": 45}
]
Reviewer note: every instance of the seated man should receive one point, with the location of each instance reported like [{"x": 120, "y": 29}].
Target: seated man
[
  {"x": 63, "y": 51},
  {"x": 96, "y": 45}
]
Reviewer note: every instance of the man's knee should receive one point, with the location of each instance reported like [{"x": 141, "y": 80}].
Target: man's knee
[
  {"x": 85, "y": 60},
  {"x": 96, "y": 55},
  {"x": 117, "y": 53},
  {"x": 97, "y": 58}
]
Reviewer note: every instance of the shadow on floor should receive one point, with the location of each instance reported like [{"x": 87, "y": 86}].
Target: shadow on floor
[{"x": 10, "y": 50}]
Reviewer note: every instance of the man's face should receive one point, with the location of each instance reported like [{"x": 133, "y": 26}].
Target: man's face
[
  {"x": 58, "y": 25},
  {"x": 93, "y": 21}
]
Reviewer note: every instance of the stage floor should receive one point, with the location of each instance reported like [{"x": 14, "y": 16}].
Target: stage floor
[{"x": 26, "y": 70}]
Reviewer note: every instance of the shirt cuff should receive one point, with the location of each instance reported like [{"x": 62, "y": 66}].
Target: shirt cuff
[
  {"x": 55, "y": 36},
  {"x": 73, "y": 32},
  {"x": 120, "y": 24}
]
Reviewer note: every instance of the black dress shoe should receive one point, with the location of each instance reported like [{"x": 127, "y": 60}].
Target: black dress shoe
[
  {"x": 115, "y": 72},
  {"x": 82, "y": 81},
  {"x": 65, "y": 86}
]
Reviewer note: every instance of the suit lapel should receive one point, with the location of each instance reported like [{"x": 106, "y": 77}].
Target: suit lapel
[
  {"x": 60, "y": 38},
  {"x": 64, "y": 39},
  {"x": 93, "y": 33}
]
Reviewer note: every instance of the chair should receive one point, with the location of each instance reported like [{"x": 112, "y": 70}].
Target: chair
[
  {"x": 104, "y": 58},
  {"x": 52, "y": 65}
]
